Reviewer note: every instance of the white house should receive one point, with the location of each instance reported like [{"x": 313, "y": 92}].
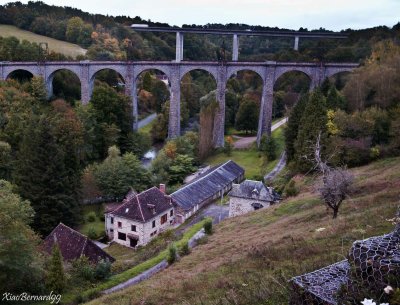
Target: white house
[
  {"x": 249, "y": 196},
  {"x": 140, "y": 218}
]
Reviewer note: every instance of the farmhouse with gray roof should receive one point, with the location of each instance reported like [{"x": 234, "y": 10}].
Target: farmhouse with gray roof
[
  {"x": 249, "y": 196},
  {"x": 206, "y": 188}
]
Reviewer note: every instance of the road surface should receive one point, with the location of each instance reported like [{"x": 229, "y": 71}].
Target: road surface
[
  {"x": 245, "y": 142},
  {"x": 281, "y": 164},
  {"x": 147, "y": 120}
]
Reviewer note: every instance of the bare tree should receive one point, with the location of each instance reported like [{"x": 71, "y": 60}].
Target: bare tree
[{"x": 335, "y": 181}]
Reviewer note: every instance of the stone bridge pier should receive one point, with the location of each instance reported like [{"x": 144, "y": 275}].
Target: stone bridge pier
[{"x": 175, "y": 70}]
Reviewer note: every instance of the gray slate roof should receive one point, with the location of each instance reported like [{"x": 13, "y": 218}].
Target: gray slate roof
[
  {"x": 250, "y": 189},
  {"x": 207, "y": 185}
]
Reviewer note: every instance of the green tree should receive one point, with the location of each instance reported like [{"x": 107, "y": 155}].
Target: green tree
[
  {"x": 21, "y": 267},
  {"x": 247, "y": 116},
  {"x": 43, "y": 177},
  {"x": 55, "y": 280},
  {"x": 85, "y": 34},
  {"x": 292, "y": 126},
  {"x": 180, "y": 168},
  {"x": 113, "y": 115},
  {"x": 335, "y": 100},
  {"x": 313, "y": 122},
  {"x": 117, "y": 174},
  {"x": 5, "y": 160}
]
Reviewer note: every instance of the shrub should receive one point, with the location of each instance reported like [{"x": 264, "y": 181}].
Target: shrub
[
  {"x": 171, "y": 258},
  {"x": 82, "y": 269},
  {"x": 269, "y": 147},
  {"x": 102, "y": 270},
  {"x": 291, "y": 189},
  {"x": 228, "y": 146},
  {"x": 184, "y": 250},
  {"x": 91, "y": 217},
  {"x": 208, "y": 227},
  {"x": 92, "y": 233}
]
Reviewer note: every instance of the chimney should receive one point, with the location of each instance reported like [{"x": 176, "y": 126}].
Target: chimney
[{"x": 162, "y": 187}]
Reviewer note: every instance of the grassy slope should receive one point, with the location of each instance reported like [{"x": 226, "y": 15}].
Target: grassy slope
[
  {"x": 55, "y": 45},
  {"x": 249, "y": 258},
  {"x": 251, "y": 159}
]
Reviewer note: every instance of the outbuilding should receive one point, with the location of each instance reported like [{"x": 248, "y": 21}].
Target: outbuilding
[
  {"x": 206, "y": 188},
  {"x": 250, "y": 196}
]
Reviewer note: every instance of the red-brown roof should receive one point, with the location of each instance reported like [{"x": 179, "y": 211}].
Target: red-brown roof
[
  {"x": 144, "y": 206},
  {"x": 73, "y": 245}
]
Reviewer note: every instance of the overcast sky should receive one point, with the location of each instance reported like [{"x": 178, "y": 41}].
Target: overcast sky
[{"x": 292, "y": 14}]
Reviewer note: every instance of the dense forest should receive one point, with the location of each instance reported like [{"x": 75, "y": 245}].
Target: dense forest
[{"x": 56, "y": 154}]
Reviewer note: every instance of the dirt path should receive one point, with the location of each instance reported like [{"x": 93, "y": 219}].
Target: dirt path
[{"x": 245, "y": 142}]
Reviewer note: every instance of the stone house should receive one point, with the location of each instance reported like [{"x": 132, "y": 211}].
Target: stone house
[
  {"x": 206, "y": 188},
  {"x": 73, "y": 245},
  {"x": 250, "y": 196},
  {"x": 140, "y": 218}
]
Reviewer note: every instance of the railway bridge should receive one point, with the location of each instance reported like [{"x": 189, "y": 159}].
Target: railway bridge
[{"x": 268, "y": 71}]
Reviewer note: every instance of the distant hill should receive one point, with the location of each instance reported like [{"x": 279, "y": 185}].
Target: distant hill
[{"x": 58, "y": 46}]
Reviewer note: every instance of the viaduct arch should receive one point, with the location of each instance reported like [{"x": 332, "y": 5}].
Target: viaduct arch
[{"x": 269, "y": 72}]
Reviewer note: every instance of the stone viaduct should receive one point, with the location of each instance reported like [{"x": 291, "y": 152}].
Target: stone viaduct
[{"x": 174, "y": 70}]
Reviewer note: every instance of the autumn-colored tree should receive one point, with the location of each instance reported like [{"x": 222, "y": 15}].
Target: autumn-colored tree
[
  {"x": 74, "y": 28},
  {"x": 170, "y": 150},
  {"x": 376, "y": 83},
  {"x": 207, "y": 116}
]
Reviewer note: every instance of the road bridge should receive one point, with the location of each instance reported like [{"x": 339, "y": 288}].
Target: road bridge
[
  {"x": 129, "y": 71},
  {"x": 296, "y": 35}
]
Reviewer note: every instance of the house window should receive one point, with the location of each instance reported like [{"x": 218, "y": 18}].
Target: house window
[
  {"x": 164, "y": 219},
  {"x": 133, "y": 228},
  {"x": 257, "y": 206},
  {"x": 121, "y": 236},
  {"x": 112, "y": 220},
  {"x": 154, "y": 224},
  {"x": 119, "y": 224},
  {"x": 171, "y": 213}
]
